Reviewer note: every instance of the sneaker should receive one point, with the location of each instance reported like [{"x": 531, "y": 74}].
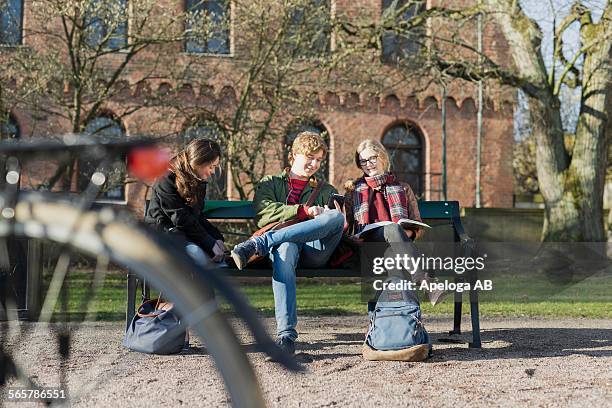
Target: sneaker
[
  {"x": 243, "y": 252},
  {"x": 285, "y": 344}
]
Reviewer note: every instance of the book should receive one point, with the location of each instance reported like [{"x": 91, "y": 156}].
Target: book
[{"x": 403, "y": 222}]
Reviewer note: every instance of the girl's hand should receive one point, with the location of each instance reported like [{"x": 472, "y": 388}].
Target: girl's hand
[
  {"x": 419, "y": 233},
  {"x": 414, "y": 234},
  {"x": 218, "y": 251}
]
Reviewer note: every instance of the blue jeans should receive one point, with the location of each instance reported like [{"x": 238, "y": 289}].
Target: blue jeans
[
  {"x": 198, "y": 255},
  {"x": 202, "y": 259},
  {"x": 309, "y": 243},
  {"x": 398, "y": 243}
]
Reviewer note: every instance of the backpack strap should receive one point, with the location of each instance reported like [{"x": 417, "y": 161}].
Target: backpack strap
[{"x": 314, "y": 194}]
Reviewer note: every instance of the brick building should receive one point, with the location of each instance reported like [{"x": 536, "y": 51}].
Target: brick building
[{"x": 409, "y": 125}]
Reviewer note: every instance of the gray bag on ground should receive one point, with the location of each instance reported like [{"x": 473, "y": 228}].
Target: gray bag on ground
[
  {"x": 155, "y": 329},
  {"x": 395, "y": 322}
]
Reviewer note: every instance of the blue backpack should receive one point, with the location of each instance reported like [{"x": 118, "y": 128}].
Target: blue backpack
[{"x": 395, "y": 321}]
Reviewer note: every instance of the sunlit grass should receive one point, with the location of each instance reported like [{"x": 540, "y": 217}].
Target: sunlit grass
[{"x": 591, "y": 298}]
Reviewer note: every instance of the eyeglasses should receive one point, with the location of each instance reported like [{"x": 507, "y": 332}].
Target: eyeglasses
[{"x": 372, "y": 160}]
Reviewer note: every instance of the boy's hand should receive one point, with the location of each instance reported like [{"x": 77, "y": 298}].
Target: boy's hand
[{"x": 315, "y": 210}]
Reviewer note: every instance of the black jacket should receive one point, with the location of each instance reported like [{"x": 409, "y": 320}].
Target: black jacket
[{"x": 168, "y": 212}]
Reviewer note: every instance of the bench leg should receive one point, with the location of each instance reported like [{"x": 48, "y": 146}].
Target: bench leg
[
  {"x": 457, "y": 312},
  {"x": 131, "y": 299},
  {"x": 146, "y": 291},
  {"x": 474, "y": 313}
]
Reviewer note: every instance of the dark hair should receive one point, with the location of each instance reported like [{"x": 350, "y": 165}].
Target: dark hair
[{"x": 196, "y": 153}]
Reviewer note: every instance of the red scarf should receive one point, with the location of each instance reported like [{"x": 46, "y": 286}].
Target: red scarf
[{"x": 393, "y": 193}]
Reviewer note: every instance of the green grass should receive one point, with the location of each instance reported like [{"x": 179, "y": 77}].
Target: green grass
[{"x": 513, "y": 296}]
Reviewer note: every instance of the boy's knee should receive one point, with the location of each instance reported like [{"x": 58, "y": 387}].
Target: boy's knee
[{"x": 336, "y": 218}]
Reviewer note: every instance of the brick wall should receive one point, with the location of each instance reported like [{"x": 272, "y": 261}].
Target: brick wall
[{"x": 349, "y": 114}]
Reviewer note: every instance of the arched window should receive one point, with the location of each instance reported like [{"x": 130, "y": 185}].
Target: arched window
[
  {"x": 106, "y": 128},
  {"x": 11, "y": 22},
  {"x": 405, "y": 147},
  {"x": 204, "y": 129},
  {"x": 401, "y": 43},
  {"x": 315, "y": 127}
]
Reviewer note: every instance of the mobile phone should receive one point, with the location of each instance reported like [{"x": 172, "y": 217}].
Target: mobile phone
[{"x": 335, "y": 197}]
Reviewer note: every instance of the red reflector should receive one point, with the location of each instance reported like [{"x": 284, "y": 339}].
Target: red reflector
[{"x": 148, "y": 163}]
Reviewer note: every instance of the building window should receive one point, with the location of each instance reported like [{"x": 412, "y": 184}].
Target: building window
[
  {"x": 405, "y": 147},
  {"x": 207, "y": 27},
  {"x": 203, "y": 129},
  {"x": 104, "y": 128},
  {"x": 315, "y": 127},
  {"x": 401, "y": 43},
  {"x": 106, "y": 24},
  {"x": 11, "y": 22},
  {"x": 310, "y": 28}
]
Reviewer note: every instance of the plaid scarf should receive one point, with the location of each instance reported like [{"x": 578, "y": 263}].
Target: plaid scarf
[{"x": 392, "y": 191}]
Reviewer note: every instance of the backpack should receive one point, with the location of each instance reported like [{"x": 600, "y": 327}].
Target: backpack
[{"x": 395, "y": 321}]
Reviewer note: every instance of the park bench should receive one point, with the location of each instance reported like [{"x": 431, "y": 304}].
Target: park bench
[{"x": 443, "y": 216}]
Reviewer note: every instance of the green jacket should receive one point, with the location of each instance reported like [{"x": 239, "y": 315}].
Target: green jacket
[{"x": 271, "y": 195}]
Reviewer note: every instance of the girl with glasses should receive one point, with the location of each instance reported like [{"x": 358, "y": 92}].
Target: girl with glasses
[{"x": 378, "y": 196}]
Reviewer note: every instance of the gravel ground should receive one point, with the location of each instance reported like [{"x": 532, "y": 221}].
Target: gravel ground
[{"x": 539, "y": 362}]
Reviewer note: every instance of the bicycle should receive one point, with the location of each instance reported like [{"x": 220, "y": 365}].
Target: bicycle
[{"x": 115, "y": 236}]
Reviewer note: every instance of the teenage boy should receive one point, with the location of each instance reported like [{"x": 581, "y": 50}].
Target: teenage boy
[{"x": 310, "y": 242}]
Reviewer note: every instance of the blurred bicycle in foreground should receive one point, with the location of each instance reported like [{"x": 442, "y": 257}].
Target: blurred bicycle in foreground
[{"x": 109, "y": 237}]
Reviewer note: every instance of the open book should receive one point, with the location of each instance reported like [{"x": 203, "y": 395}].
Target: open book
[{"x": 403, "y": 222}]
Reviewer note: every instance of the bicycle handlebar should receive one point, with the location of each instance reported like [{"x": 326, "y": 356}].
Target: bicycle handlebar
[{"x": 72, "y": 143}]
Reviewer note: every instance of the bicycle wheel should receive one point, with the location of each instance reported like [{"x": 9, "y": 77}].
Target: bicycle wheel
[{"x": 116, "y": 236}]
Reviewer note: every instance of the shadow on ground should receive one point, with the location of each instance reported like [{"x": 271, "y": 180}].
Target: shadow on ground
[{"x": 497, "y": 344}]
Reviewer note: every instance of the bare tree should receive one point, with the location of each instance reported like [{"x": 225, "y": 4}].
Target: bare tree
[
  {"x": 570, "y": 180},
  {"x": 79, "y": 59},
  {"x": 272, "y": 78}
]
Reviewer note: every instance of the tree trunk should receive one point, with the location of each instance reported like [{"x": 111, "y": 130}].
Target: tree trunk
[
  {"x": 572, "y": 191},
  {"x": 562, "y": 215},
  {"x": 589, "y": 160}
]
